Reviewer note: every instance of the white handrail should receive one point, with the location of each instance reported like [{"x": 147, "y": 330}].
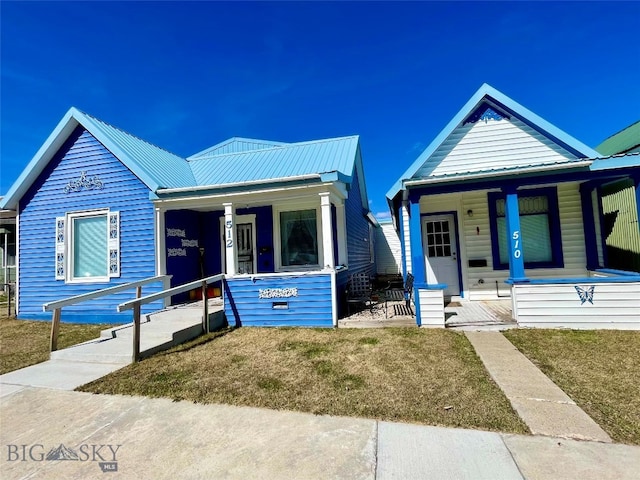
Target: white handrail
[
  {"x": 169, "y": 292},
  {"x": 48, "y": 307}
]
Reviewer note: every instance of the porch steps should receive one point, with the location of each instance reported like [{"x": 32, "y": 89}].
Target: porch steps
[
  {"x": 158, "y": 331},
  {"x": 477, "y": 315}
]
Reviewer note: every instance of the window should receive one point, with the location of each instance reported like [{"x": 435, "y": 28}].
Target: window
[
  {"x": 539, "y": 228},
  {"x": 299, "y": 238},
  {"x": 88, "y": 246}
]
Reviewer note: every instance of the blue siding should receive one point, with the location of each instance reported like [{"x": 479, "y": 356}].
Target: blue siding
[
  {"x": 310, "y": 308},
  {"x": 357, "y": 230},
  {"x": 46, "y": 200}
]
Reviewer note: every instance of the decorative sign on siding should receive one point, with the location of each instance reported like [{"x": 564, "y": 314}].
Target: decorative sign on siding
[
  {"x": 277, "y": 292},
  {"x": 84, "y": 183},
  {"x": 585, "y": 294},
  {"x": 484, "y": 114}
]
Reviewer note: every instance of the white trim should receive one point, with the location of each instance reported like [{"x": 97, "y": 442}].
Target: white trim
[
  {"x": 240, "y": 219},
  {"x": 229, "y": 239},
  {"x": 161, "y": 248},
  {"x": 496, "y": 173},
  {"x": 17, "y": 287},
  {"x": 277, "y": 244},
  {"x": 70, "y": 240},
  {"x": 327, "y": 230},
  {"x": 238, "y": 184}
]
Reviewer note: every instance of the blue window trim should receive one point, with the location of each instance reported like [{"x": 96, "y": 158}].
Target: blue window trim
[{"x": 555, "y": 232}]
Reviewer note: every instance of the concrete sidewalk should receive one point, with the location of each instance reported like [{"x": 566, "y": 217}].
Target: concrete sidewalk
[
  {"x": 158, "y": 438},
  {"x": 541, "y": 404}
]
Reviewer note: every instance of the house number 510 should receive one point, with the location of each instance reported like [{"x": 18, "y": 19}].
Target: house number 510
[{"x": 516, "y": 244}]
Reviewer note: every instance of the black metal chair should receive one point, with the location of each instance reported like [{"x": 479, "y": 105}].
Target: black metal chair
[
  {"x": 359, "y": 291},
  {"x": 397, "y": 295}
]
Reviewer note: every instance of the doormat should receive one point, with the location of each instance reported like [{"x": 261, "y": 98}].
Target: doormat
[{"x": 454, "y": 304}]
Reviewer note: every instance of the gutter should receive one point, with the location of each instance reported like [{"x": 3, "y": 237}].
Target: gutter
[
  {"x": 494, "y": 173},
  {"x": 199, "y": 188}
]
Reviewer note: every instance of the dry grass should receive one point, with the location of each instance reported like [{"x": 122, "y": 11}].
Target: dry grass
[
  {"x": 412, "y": 375},
  {"x": 24, "y": 342},
  {"x": 599, "y": 370}
]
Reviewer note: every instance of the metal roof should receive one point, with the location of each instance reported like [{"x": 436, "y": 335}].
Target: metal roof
[
  {"x": 235, "y": 145},
  {"x": 626, "y": 140},
  {"x": 484, "y": 93},
  {"x": 287, "y": 160},
  {"x": 161, "y": 168}
]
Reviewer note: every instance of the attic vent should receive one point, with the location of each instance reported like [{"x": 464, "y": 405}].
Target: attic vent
[{"x": 485, "y": 113}]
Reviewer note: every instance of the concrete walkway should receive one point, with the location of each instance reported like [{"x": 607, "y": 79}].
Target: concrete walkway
[
  {"x": 158, "y": 438},
  {"x": 541, "y": 404}
]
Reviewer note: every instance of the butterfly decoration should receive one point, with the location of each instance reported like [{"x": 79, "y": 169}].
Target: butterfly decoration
[{"x": 585, "y": 294}]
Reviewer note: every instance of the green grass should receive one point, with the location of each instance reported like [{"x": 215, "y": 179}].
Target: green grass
[
  {"x": 24, "y": 342},
  {"x": 598, "y": 369},
  {"x": 411, "y": 375}
]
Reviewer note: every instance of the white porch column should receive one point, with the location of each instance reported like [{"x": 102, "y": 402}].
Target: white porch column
[
  {"x": 161, "y": 242},
  {"x": 229, "y": 238},
  {"x": 327, "y": 230},
  {"x": 341, "y": 225}
]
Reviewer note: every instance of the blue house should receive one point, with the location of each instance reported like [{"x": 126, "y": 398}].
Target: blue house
[
  {"x": 287, "y": 223},
  {"x": 504, "y": 204}
]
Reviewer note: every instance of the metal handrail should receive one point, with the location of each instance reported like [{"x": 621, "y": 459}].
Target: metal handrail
[
  {"x": 136, "y": 303},
  {"x": 128, "y": 305},
  {"x": 56, "y": 306},
  {"x": 48, "y": 307}
]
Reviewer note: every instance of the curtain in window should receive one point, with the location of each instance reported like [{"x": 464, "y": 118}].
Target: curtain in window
[
  {"x": 299, "y": 237},
  {"x": 90, "y": 247}
]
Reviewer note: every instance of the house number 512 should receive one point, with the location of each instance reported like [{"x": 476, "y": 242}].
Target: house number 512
[
  {"x": 229, "y": 236},
  {"x": 516, "y": 244}
]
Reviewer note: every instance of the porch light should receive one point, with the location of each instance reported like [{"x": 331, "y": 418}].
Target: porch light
[{"x": 470, "y": 213}]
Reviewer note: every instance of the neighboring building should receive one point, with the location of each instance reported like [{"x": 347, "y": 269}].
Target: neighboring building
[
  {"x": 286, "y": 222},
  {"x": 621, "y": 240},
  {"x": 504, "y": 203},
  {"x": 388, "y": 251},
  {"x": 7, "y": 248}
]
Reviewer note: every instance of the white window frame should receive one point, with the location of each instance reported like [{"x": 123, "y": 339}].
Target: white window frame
[
  {"x": 69, "y": 235},
  {"x": 277, "y": 241}
]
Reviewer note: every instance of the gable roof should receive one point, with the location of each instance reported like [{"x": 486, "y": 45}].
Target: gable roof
[
  {"x": 278, "y": 162},
  {"x": 154, "y": 166},
  {"x": 235, "y": 145},
  {"x": 475, "y": 106},
  {"x": 235, "y": 162},
  {"x": 626, "y": 140}
]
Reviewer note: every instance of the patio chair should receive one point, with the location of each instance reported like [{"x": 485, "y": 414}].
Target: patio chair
[
  {"x": 359, "y": 291},
  {"x": 397, "y": 295}
]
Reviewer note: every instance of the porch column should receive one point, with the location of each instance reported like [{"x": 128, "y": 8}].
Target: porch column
[
  {"x": 327, "y": 230},
  {"x": 405, "y": 238},
  {"x": 589, "y": 226},
  {"x": 341, "y": 225},
  {"x": 415, "y": 235},
  {"x": 161, "y": 242},
  {"x": 514, "y": 237},
  {"x": 230, "y": 237}
]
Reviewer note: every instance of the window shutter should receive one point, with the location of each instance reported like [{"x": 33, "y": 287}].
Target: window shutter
[
  {"x": 114, "y": 244},
  {"x": 60, "y": 236}
]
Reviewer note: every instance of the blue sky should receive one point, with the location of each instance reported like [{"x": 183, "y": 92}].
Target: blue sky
[{"x": 188, "y": 75}]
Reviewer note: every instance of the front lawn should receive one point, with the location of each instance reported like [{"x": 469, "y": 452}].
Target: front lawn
[
  {"x": 403, "y": 374},
  {"x": 25, "y": 342},
  {"x": 598, "y": 369}
]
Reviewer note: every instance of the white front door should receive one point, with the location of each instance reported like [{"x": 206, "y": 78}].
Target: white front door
[{"x": 441, "y": 255}]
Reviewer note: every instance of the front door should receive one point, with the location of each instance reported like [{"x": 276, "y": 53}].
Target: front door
[
  {"x": 441, "y": 255},
  {"x": 244, "y": 242},
  {"x": 246, "y": 261}
]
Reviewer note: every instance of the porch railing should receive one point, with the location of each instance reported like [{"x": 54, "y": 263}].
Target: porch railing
[
  {"x": 56, "y": 307},
  {"x": 136, "y": 303}
]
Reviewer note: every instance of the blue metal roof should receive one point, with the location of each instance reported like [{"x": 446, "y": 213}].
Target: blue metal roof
[
  {"x": 487, "y": 92},
  {"x": 156, "y": 167},
  {"x": 287, "y": 160},
  {"x": 235, "y": 145}
]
